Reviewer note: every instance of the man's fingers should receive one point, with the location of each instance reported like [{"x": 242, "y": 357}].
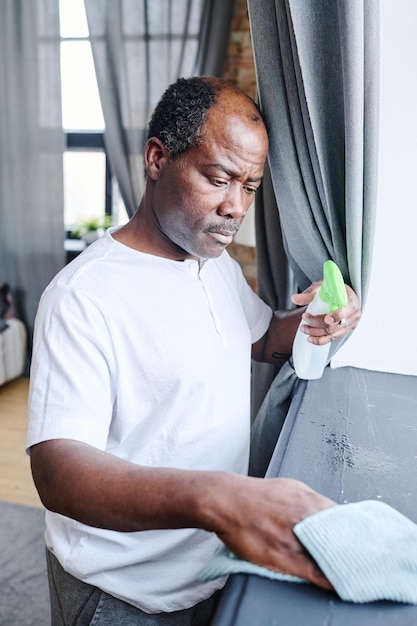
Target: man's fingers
[
  {"x": 316, "y": 576},
  {"x": 301, "y": 564}
]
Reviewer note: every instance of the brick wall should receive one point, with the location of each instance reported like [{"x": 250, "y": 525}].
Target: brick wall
[
  {"x": 239, "y": 66},
  {"x": 240, "y": 70}
]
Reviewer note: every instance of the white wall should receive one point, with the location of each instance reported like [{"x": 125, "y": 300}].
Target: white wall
[
  {"x": 246, "y": 234},
  {"x": 386, "y": 338}
]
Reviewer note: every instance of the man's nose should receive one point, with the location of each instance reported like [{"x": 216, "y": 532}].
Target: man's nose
[{"x": 235, "y": 202}]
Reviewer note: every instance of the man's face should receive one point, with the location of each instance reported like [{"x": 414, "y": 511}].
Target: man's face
[{"x": 201, "y": 198}]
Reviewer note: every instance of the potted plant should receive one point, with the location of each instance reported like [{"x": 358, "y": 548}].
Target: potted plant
[{"x": 92, "y": 228}]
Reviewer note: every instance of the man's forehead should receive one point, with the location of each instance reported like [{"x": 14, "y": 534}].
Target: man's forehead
[{"x": 236, "y": 132}]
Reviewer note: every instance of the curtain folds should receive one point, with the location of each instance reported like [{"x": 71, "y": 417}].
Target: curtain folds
[
  {"x": 317, "y": 71},
  {"x": 31, "y": 149},
  {"x": 139, "y": 48},
  {"x": 215, "y": 23}
]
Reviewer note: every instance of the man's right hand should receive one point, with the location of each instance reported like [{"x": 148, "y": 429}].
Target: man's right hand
[{"x": 263, "y": 513}]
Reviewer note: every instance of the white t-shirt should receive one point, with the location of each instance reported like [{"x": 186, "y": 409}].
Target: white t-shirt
[{"x": 148, "y": 359}]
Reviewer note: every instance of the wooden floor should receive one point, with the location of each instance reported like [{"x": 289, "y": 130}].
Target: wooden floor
[{"x": 16, "y": 483}]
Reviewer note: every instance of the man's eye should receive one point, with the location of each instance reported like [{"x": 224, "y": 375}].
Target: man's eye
[
  {"x": 218, "y": 182},
  {"x": 250, "y": 189}
]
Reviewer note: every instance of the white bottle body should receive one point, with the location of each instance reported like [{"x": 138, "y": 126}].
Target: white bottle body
[{"x": 310, "y": 359}]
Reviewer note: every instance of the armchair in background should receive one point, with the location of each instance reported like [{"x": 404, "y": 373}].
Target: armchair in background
[{"x": 13, "y": 338}]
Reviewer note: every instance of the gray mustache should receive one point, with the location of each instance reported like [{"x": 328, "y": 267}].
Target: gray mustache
[{"x": 229, "y": 227}]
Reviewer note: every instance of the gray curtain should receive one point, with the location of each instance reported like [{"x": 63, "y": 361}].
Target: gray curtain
[
  {"x": 139, "y": 48},
  {"x": 31, "y": 148},
  {"x": 317, "y": 72},
  {"x": 276, "y": 281}
]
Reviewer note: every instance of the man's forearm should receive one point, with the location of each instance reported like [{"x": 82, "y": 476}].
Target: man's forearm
[
  {"x": 102, "y": 490},
  {"x": 276, "y": 345}
]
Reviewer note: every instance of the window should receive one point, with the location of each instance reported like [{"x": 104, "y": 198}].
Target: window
[{"x": 90, "y": 192}]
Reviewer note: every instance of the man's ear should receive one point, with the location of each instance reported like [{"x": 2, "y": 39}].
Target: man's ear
[{"x": 155, "y": 157}]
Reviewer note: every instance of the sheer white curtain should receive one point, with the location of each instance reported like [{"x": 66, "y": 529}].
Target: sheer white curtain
[
  {"x": 317, "y": 67},
  {"x": 31, "y": 148},
  {"x": 139, "y": 48}
]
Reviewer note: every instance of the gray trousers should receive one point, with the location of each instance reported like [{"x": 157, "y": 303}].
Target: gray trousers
[{"x": 75, "y": 603}]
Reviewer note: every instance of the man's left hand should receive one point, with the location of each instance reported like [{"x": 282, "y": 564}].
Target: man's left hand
[{"x": 323, "y": 329}]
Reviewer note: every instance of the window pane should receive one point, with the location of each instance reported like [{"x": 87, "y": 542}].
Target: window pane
[
  {"x": 81, "y": 107},
  {"x": 119, "y": 213},
  {"x": 84, "y": 186},
  {"x": 72, "y": 18}
]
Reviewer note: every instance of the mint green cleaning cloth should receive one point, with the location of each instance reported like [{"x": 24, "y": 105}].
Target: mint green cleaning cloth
[{"x": 367, "y": 550}]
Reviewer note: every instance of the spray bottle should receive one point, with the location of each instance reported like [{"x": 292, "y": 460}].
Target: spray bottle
[{"x": 310, "y": 359}]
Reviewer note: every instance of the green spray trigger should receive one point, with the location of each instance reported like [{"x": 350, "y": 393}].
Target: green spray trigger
[{"x": 333, "y": 290}]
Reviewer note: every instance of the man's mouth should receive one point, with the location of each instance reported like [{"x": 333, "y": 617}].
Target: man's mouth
[{"x": 223, "y": 235}]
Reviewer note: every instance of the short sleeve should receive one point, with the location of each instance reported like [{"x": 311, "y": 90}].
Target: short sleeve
[{"x": 70, "y": 393}]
